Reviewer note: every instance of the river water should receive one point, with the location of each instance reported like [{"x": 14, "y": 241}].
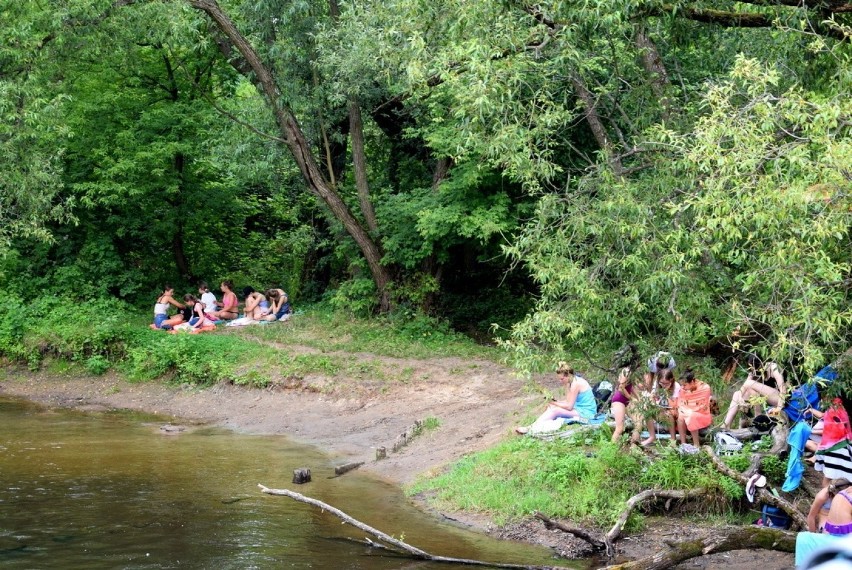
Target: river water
[{"x": 113, "y": 490}]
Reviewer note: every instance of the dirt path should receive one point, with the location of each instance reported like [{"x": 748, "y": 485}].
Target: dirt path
[{"x": 477, "y": 403}]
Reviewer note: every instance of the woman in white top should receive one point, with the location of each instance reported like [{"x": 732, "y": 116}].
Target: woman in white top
[
  {"x": 161, "y": 307},
  {"x": 209, "y": 300}
]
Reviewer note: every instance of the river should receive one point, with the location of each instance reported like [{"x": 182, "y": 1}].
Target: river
[{"x": 113, "y": 490}]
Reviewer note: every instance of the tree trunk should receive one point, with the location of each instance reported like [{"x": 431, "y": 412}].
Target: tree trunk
[
  {"x": 298, "y": 145},
  {"x": 595, "y": 123},
  {"x": 719, "y": 540},
  {"x": 359, "y": 161},
  {"x": 653, "y": 64}
]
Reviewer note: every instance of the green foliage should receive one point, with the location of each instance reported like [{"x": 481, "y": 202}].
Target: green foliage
[
  {"x": 741, "y": 223},
  {"x": 356, "y": 296}
]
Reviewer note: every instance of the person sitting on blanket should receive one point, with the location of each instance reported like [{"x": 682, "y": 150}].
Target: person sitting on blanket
[
  {"x": 199, "y": 322},
  {"x": 693, "y": 407},
  {"x": 280, "y": 309},
  {"x": 227, "y": 308},
  {"x": 579, "y": 400},
  {"x": 161, "y": 307},
  {"x": 765, "y": 380},
  {"x": 665, "y": 392},
  {"x": 182, "y": 316}
]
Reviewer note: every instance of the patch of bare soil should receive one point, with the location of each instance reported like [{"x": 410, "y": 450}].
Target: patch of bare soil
[{"x": 477, "y": 403}]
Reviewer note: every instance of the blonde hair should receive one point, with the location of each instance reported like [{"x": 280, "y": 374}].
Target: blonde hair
[{"x": 564, "y": 368}]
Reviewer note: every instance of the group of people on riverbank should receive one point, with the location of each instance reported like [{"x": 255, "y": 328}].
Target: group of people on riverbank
[
  {"x": 820, "y": 433},
  {"x": 202, "y": 312},
  {"x": 685, "y": 406}
]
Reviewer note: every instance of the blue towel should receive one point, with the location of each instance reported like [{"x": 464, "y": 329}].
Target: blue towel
[
  {"x": 596, "y": 420},
  {"x": 795, "y": 469}
]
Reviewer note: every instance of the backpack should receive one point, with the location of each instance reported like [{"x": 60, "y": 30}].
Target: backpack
[{"x": 602, "y": 391}]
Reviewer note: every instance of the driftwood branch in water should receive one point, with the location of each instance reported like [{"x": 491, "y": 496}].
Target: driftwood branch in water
[
  {"x": 638, "y": 499},
  {"x": 576, "y": 531},
  {"x": 402, "y": 546},
  {"x": 719, "y": 540},
  {"x": 761, "y": 494}
]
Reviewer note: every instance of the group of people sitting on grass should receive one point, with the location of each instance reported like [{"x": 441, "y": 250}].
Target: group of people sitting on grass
[
  {"x": 658, "y": 398},
  {"x": 685, "y": 406},
  {"x": 203, "y": 312}
]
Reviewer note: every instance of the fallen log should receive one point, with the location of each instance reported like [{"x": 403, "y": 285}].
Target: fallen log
[
  {"x": 580, "y": 533},
  {"x": 761, "y": 494},
  {"x": 721, "y": 540},
  {"x": 401, "y": 547},
  {"x": 347, "y": 467},
  {"x": 638, "y": 499}
]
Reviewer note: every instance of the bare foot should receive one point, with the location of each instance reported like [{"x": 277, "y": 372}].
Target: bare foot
[
  {"x": 522, "y": 430},
  {"x": 649, "y": 441}
]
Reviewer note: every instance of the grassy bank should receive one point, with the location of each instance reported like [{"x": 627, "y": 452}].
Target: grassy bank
[
  {"x": 106, "y": 334},
  {"x": 586, "y": 479}
]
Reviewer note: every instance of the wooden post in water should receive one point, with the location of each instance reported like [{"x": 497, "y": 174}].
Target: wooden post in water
[{"x": 301, "y": 475}]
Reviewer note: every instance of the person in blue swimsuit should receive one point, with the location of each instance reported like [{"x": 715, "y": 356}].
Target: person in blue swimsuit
[{"x": 579, "y": 399}]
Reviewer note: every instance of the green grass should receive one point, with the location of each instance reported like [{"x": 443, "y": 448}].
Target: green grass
[
  {"x": 327, "y": 331},
  {"x": 106, "y": 334},
  {"x": 587, "y": 484}
]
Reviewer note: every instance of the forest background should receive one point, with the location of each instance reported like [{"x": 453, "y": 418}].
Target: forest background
[{"x": 579, "y": 174}]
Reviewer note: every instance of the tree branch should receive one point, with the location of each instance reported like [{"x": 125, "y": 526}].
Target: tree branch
[{"x": 402, "y": 546}]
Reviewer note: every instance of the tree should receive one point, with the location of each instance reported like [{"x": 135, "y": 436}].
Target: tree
[
  {"x": 30, "y": 149},
  {"x": 740, "y": 228}
]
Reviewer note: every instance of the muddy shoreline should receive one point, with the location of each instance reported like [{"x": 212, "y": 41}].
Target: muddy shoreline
[{"x": 350, "y": 423}]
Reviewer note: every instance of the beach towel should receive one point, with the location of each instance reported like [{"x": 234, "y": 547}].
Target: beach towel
[{"x": 797, "y": 438}]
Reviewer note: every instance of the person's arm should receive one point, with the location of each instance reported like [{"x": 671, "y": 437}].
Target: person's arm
[
  {"x": 174, "y": 302},
  {"x": 570, "y": 396},
  {"x": 816, "y": 507},
  {"x": 623, "y": 383},
  {"x": 198, "y": 309}
]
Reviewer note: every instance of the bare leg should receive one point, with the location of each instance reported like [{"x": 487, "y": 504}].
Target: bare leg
[
  {"x": 652, "y": 433},
  {"x": 696, "y": 441},
  {"x": 681, "y": 430},
  {"x": 736, "y": 402},
  {"x": 619, "y": 411}
]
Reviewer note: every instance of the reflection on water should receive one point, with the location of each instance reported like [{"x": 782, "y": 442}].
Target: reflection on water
[{"x": 111, "y": 490}]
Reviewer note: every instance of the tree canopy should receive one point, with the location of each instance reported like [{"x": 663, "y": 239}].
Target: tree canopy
[{"x": 676, "y": 171}]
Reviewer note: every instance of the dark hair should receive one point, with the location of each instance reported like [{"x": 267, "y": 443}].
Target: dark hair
[
  {"x": 666, "y": 374},
  {"x": 753, "y": 361},
  {"x": 837, "y": 485},
  {"x": 167, "y": 287},
  {"x": 247, "y": 290},
  {"x": 228, "y": 283},
  {"x": 190, "y": 298},
  {"x": 272, "y": 294},
  {"x": 203, "y": 286},
  {"x": 687, "y": 376}
]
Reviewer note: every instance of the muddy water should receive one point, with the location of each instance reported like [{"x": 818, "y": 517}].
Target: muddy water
[{"x": 113, "y": 490}]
